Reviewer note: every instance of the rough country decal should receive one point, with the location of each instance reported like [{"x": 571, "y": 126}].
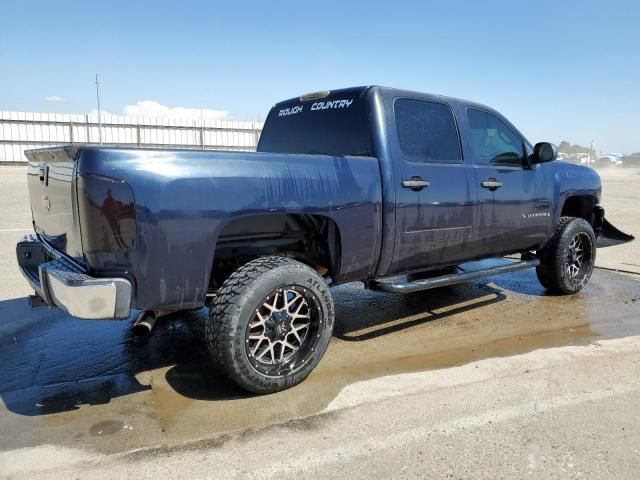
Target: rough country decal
[
  {"x": 290, "y": 111},
  {"x": 328, "y": 105},
  {"x": 332, "y": 104}
]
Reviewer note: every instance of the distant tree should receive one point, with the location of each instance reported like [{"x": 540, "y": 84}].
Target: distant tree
[{"x": 566, "y": 147}]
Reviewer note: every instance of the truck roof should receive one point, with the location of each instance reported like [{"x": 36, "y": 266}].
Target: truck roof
[{"x": 398, "y": 92}]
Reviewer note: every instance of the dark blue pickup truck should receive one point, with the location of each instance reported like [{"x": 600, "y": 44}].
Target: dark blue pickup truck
[{"x": 384, "y": 186}]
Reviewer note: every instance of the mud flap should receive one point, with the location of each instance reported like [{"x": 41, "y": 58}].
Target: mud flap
[{"x": 609, "y": 236}]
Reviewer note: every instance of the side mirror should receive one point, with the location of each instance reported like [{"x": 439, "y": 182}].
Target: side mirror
[{"x": 544, "y": 152}]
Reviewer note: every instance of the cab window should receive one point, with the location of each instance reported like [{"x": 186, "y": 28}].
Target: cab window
[
  {"x": 493, "y": 142},
  {"x": 427, "y": 131}
]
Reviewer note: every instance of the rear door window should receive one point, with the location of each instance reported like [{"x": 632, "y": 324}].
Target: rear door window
[{"x": 427, "y": 131}]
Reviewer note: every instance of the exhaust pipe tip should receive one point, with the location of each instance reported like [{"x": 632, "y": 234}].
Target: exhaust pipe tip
[{"x": 144, "y": 323}]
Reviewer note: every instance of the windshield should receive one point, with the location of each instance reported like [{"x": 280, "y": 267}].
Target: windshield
[{"x": 336, "y": 125}]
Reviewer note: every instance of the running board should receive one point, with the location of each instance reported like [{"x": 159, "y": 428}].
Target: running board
[{"x": 450, "y": 279}]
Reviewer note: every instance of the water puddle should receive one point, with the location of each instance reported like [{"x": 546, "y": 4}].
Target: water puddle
[{"x": 61, "y": 378}]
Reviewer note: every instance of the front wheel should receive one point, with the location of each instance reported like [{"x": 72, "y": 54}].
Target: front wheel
[
  {"x": 270, "y": 324},
  {"x": 567, "y": 260}
]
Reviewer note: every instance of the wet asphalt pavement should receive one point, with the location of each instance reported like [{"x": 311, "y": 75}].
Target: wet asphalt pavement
[{"x": 91, "y": 385}]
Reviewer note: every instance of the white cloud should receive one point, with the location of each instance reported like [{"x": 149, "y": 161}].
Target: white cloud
[
  {"x": 55, "y": 98},
  {"x": 150, "y": 108}
]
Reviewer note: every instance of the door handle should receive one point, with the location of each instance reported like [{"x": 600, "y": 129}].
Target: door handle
[
  {"x": 415, "y": 183},
  {"x": 491, "y": 184}
]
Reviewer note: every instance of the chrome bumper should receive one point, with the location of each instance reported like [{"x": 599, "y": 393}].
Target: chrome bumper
[{"x": 62, "y": 284}]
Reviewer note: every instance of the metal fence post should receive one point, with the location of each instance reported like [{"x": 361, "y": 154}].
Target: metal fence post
[
  {"x": 87, "y": 128},
  {"x": 138, "y": 138},
  {"x": 70, "y": 132},
  {"x": 256, "y": 135}
]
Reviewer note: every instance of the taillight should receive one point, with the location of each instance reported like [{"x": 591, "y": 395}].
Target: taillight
[{"x": 107, "y": 214}]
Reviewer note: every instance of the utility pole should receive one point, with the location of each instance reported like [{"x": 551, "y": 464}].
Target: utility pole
[{"x": 99, "y": 112}]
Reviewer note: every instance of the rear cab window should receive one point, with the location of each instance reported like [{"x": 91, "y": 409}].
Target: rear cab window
[{"x": 327, "y": 123}]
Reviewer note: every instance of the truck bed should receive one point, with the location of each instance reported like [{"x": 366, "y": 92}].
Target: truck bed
[{"x": 183, "y": 200}]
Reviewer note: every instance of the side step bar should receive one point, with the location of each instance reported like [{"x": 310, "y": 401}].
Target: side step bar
[{"x": 451, "y": 279}]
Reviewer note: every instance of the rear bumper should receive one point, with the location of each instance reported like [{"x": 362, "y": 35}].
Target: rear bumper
[{"x": 62, "y": 284}]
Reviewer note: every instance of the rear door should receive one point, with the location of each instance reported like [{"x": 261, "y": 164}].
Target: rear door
[
  {"x": 435, "y": 191},
  {"x": 514, "y": 201}
]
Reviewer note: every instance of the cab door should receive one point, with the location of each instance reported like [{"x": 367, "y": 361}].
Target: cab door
[
  {"x": 435, "y": 191},
  {"x": 514, "y": 200}
]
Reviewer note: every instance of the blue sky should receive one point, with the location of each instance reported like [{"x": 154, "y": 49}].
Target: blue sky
[{"x": 559, "y": 70}]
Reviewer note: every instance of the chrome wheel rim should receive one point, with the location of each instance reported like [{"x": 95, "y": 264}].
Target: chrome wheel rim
[
  {"x": 283, "y": 332},
  {"x": 579, "y": 257}
]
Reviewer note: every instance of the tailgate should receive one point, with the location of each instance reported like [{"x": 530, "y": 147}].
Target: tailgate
[{"x": 52, "y": 193}]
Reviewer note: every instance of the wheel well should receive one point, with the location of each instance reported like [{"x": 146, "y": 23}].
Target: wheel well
[
  {"x": 581, "y": 206},
  {"x": 310, "y": 239}
]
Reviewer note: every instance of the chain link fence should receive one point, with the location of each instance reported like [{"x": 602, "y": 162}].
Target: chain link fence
[{"x": 20, "y": 131}]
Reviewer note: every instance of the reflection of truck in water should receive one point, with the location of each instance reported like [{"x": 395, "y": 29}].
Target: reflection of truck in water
[{"x": 388, "y": 187}]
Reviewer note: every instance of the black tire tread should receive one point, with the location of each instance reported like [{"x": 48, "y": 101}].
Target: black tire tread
[
  {"x": 226, "y": 300},
  {"x": 225, "y": 311},
  {"x": 551, "y": 256}
]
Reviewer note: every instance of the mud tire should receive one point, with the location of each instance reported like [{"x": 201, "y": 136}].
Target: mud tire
[
  {"x": 234, "y": 307},
  {"x": 555, "y": 257}
]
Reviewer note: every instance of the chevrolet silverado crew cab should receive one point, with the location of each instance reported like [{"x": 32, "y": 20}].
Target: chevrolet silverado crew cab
[{"x": 387, "y": 187}]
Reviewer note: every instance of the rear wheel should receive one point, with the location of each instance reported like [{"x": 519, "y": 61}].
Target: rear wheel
[
  {"x": 270, "y": 324},
  {"x": 567, "y": 260}
]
